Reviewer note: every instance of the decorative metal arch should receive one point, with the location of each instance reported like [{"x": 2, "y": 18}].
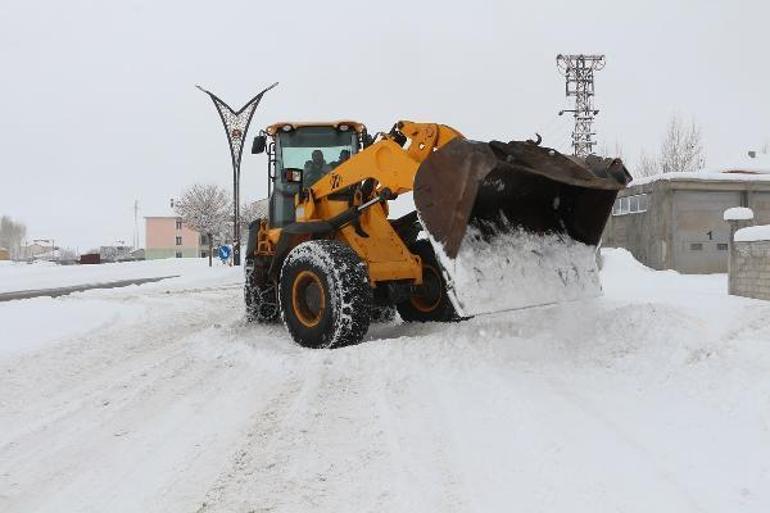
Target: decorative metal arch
[{"x": 236, "y": 125}]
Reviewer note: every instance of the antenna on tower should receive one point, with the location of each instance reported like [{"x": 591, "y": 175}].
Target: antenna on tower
[{"x": 579, "y": 72}]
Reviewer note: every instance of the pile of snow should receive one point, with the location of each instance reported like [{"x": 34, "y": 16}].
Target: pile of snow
[
  {"x": 517, "y": 269},
  {"x": 753, "y": 233},
  {"x": 738, "y": 214}
]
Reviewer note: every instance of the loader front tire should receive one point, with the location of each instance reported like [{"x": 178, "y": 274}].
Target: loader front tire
[
  {"x": 430, "y": 301},
  {"x": 325, "y": 295}
]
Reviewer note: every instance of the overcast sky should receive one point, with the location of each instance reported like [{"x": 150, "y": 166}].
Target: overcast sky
[{"x": 98, "y": 105}]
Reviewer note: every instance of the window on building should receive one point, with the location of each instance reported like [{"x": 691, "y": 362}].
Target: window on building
[
  {"x": 643, "y": 202},
  {"x": 721, "y": 246},
  {"x": 178, "y": 224},
  {"x": 696, "y": 246},
  {"x": 630, "y": 205},
  {"x": 179, "y": 241},
  {"x": 179, "y": 254}
]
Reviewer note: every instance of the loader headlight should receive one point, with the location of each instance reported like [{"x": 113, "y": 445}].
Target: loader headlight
[
  {"x": 344, "y": 128},
  {"x": 286, "y": 128}
]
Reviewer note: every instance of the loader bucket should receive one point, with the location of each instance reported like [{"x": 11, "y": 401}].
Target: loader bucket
[
  {"x": 519, "y": 203},
  {"x": 518, "y": 183}
]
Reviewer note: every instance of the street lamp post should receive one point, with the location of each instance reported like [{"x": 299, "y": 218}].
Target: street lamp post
[{"x": 236, "y": 124}]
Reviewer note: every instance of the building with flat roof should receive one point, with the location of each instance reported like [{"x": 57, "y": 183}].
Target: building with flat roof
[
  {"x": 674, "y": 220},
  {"x": 169, "y": 237}
]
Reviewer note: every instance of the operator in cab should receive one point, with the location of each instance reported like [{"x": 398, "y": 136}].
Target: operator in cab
[
  {"x": 315, "y": 168},
  {"x": 344, "y": 155}
]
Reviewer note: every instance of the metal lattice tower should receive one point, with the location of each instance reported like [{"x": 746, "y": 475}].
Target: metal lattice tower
[{"x": 579, "y": 72}]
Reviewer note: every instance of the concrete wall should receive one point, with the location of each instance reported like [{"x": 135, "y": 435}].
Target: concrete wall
[
  {"x": 750, "y": 269},
  {"x": 645, "y": 234}
]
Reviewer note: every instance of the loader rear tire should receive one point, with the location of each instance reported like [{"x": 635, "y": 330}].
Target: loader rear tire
[
  {"x": 261, "y": 299},
  {"x": 325, "y": 295},
  {"x": 430, "y": 302}
]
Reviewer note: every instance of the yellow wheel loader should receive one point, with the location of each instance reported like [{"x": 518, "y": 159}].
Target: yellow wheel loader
[{"x": 328, "y": 260}]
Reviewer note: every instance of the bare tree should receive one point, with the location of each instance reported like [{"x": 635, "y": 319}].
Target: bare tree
[
  {"x": 12, "y": 235},
  {"x": 254, "y": 210},
  {"x": 681, "y": 150},
  {"x": 647, "y": 165},
  {"x": 616, "y": 152},
  {"x": 206, "y": 209}
]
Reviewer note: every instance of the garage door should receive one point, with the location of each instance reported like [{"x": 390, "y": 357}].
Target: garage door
[{"x": 700, "y": 235}]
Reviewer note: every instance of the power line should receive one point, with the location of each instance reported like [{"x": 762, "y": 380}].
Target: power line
[{"x": 579, "y": 72}]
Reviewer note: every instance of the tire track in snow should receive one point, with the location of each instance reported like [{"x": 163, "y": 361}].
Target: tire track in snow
[{"x": 158, "y": 396}]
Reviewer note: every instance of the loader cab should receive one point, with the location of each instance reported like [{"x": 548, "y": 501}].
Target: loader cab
[{"x": 315, "y": 148}]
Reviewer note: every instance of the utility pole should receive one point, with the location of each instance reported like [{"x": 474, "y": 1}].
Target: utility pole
[
  {"x": 579, "y": 73},
  {"x": 236, "y": 124},
  {"x": 136, "y": 224}
]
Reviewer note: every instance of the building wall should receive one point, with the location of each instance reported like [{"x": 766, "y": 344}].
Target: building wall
[
  {"x": 682, "y": 228},
  {"x": 645, "y": 234},
  {"x": 5, "y": 254},
  {"x": 750, "y": 269},
  {"x": 154, "y": 254},
  {"x": 161, "y": 235}
]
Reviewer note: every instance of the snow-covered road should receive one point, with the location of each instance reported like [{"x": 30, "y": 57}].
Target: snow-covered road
[{"x": 655, "y": 397}]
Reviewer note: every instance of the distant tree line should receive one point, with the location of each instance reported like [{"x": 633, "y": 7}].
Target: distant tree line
[{"x": 12, "y": 234}]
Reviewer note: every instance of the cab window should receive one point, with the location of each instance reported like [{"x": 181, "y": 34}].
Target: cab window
[{"x": 315, "y": 150}]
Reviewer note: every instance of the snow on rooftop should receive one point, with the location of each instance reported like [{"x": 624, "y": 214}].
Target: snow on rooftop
[
  {"x": 738, "y": 214},
  {"x": 753, "y": 233},
  {"x": 744, "y": 169},
  {"x": 706, "y": 176},
  {"x": 758, "y": 164}
]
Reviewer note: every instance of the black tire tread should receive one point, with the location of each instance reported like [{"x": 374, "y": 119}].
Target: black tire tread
[{"x": 346, "y": 280}]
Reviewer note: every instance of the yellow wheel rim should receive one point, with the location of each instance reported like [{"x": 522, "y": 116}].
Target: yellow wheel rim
[
  {"x": 428, "y": 296},
  {"x": 308, "y": 298}
]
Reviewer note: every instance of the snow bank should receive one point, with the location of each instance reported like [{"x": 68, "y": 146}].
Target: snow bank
[
  {"x": 624, "y": 278},
  {"x": 753, "y": 233},
  {"x": 738, "y": 214},
  {"x": 33, "y": 324},
  {"x": 41, "y": 275},
  {"x": 519, "y": 269}
]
